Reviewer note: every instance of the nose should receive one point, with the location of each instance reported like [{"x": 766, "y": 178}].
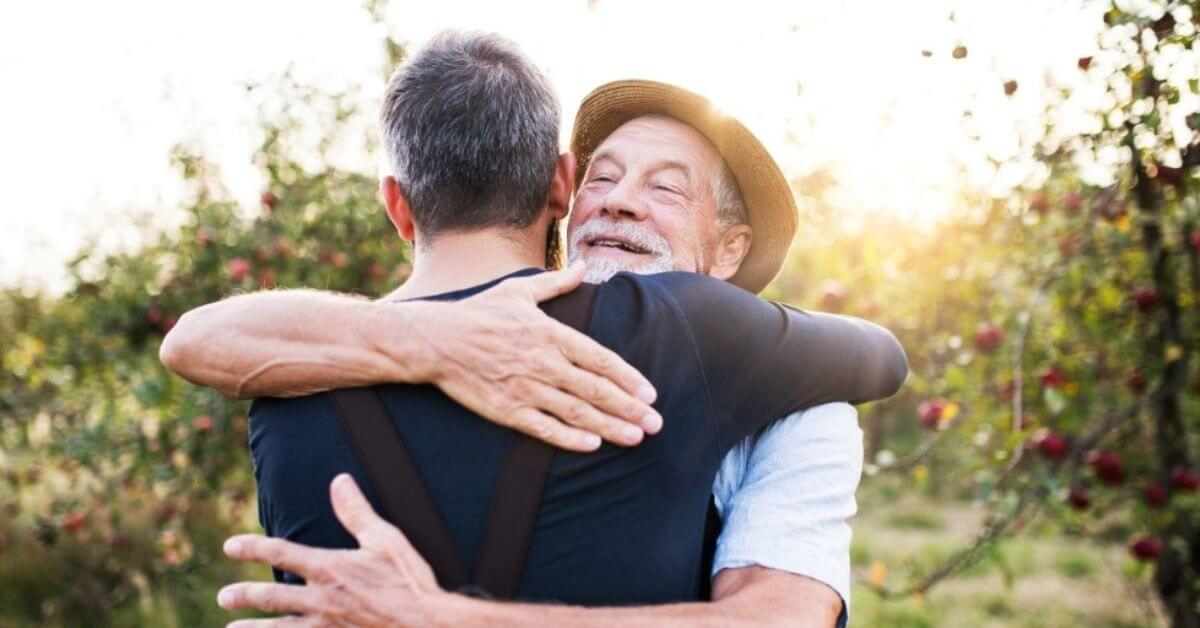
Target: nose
[{"x": 622, "y": 201}]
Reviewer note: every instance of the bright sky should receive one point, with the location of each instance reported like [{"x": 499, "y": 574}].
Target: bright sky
[{"x": 96, "y": 94}]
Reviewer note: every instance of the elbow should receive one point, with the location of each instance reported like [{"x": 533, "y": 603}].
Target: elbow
[
  {"x": 192, "y": 351},
  {"x": 181, "y": 351},
  {"x": 895, "y": 369},
  {"x": 175, "y": 347}
]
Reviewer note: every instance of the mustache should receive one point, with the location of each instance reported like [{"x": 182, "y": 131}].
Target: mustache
[{"x": 636, "y": 233}]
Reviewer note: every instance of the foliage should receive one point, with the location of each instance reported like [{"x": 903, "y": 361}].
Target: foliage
[
  {"x": 1052, "y": 336},
  {"x": 120, "y": 481}
]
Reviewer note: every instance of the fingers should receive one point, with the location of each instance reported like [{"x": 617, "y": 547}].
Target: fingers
[
  {"x": 548, "y": 429},
  {"x": 607, "y": 399},
  {"x": 286, "y": 555},
  {"x": 581, "y": 414},
  {"x": 554, "y": 283},
  {"x": 630, "y": 393},
  {"x": 352, "y": 508},
  {"x": 271, "y": 597},
  {"x": 369, "y": 529}
]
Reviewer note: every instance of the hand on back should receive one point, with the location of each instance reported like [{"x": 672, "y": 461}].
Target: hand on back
[{"x": 499, "y": 355}]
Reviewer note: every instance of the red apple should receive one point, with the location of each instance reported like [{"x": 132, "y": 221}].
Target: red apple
[
  {"x": 269, "y": 200},
  {"x": 204, "y": 237},
  {"x": 1107, "y": 466},
  {"x": 833, "y": 295},
  {"x": 1084, "y": 63},
  {"x": 1195, "y": 238},
  {"x": 1154, "y": 495},
  {"x": 121, "y": 542},
  {"x": 239, "y": 269},
  {"x": 202, "y": 423},
  {"x": 1039, "y": 204},
  {"x": 988, "y": 337},
  {"x": 154, "y": 315},
  {"x": 1068, "y": 244},
  {"x": 1145, "y": 299},
  {"x": 929, "y": 413},
  {"x": 1051, "y": 377},
  {"x": 376, "y": 271},
  {"x": 1010, "y": 87},
  {"x": 1072, "y": 202},
  {"x": 1052, "y": 446},
  {"x": 283, "y": 246},
  {"x": 339, "y": 260},
  {"x": 1079, "y": 498},
  {"x": 166, "y": 511},
  {"x": 74, "y": 522},
  {"x": 1146, "y": 547},
  {"x": 169, "y": 323},
  {"x": 1136, "y": 381},
  {"x": 1185, "y": 480}
]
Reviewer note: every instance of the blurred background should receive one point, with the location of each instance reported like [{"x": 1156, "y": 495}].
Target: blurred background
[{"x": 1012, "y": 187}]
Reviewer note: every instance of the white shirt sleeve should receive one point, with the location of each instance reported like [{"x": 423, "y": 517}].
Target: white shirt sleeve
[{"x": 785, "y": 494}]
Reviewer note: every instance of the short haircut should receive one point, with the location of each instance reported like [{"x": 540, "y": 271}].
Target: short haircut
[{"x": 471, "y": 128}]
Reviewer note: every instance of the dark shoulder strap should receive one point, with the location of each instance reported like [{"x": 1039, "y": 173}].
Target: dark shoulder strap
[
  {"x": 522, "y": 479},
  {"x": 406, "y": 499}
]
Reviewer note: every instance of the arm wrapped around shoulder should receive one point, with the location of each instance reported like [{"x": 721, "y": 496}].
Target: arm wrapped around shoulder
[
  {"x": 763, "y": 360},
  {"x": 869, "y": 355}
]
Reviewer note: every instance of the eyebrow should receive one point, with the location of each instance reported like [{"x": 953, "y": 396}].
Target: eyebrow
[
  {"x": 668, "y": 164},
  {"x": 600, "y": 156}
]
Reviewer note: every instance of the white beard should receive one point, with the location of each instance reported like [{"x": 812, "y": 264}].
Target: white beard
[{"x": 602, "y": 269}]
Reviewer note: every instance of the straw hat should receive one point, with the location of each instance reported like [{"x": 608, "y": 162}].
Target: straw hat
[{"x": 770, "y": 207}]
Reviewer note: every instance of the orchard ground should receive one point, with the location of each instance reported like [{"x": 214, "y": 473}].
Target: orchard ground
[{"x": 1046, "y": 577}]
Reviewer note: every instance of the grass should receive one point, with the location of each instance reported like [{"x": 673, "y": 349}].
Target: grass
[
  {"x": 916, "y": 519},
  {"x": 1033, "y": 580}
]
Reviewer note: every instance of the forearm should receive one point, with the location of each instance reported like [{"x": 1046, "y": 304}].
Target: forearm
[
  {"x": 470, "y": 611},
  {"x": 751, "y": 596},
  {"x": 860, "y": 360},
  {"x": 291, "y": 343}
]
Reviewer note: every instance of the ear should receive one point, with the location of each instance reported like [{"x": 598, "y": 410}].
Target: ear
[
  {"x": 562, "y": 187},
  {"x": 731, "y": 250},
  {"x": 397, "y": 208}
]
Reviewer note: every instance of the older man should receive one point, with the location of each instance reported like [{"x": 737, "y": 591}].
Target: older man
[{"x": 657, "y": 195}]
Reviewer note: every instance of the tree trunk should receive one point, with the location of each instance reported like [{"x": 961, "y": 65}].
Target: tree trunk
[{"x": 1177, "y": 572}]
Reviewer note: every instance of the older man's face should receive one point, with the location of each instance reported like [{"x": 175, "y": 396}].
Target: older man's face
[{"x": 647, "y": 202}]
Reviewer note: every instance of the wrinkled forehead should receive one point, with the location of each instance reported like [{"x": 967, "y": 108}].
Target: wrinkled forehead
[{"x": 652, "y": 139}]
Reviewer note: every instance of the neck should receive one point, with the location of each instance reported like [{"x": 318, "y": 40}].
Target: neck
[{"x": 454, "y": 261}]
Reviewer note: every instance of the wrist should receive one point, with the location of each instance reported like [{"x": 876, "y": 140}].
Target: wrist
[{"x": 451, "y": 609}]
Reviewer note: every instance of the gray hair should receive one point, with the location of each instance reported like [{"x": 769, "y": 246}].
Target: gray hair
[
  {"x": 731, "y": 209},
  {"x": 471, "y": 128}
]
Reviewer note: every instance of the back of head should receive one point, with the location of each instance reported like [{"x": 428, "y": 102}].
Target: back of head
[{"x": 471, "y": 128}]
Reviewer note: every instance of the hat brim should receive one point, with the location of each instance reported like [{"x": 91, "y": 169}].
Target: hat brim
[{"x": 770, "y": 206}]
